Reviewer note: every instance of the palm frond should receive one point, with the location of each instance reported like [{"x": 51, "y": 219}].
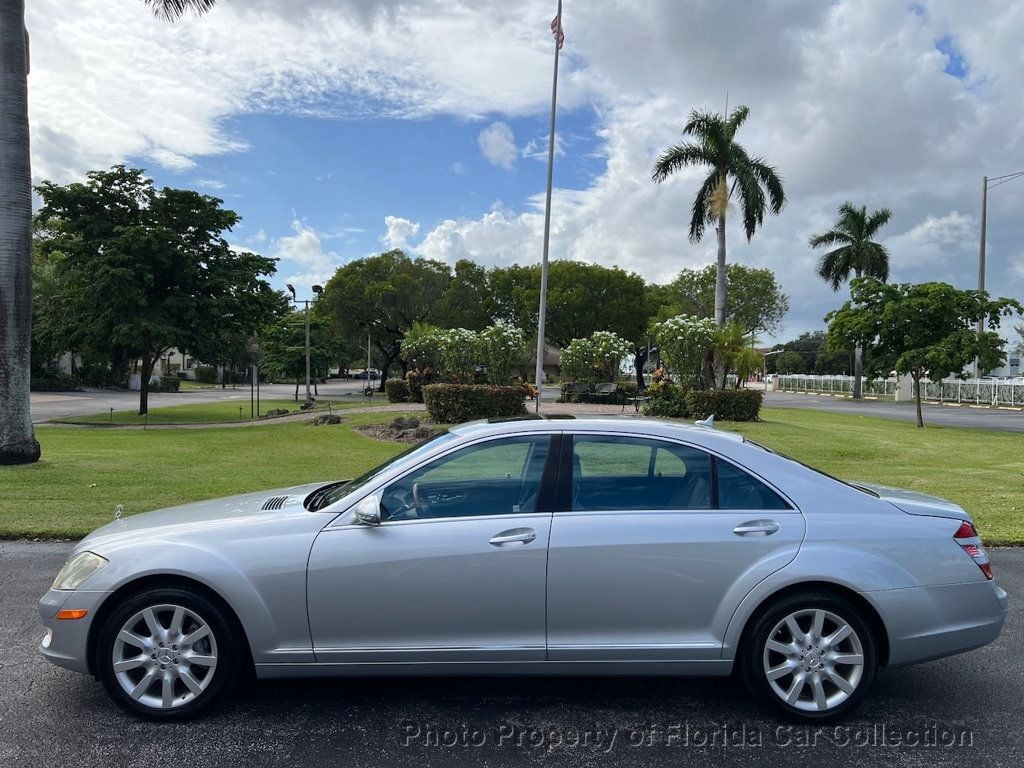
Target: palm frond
[
  {"x": 751, "y": 199},
  {"x": 768, "y": 177},
  {"x": 832, "y": 237},
  {"x": 835, "y": 266},
  {"x": 680, "y": 156},
  {"x": 699, "y": 210},
  {"x": 737, "y": 118},
  {"x": 876, "y": 221},
  {"x": 172, "y": 10}
]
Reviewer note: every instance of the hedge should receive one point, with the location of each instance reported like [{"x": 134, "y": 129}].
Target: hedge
[
  {"x": 725, "y": 404},
  {"x": 670, "y": 404},
  {"x": 397, "y": 390},
  {"x": 455, "y": 403}
]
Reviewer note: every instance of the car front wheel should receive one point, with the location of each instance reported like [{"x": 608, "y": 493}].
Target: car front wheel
[
  {"x": 812, "y": 657},
  {"x": 167, "y": 654}
]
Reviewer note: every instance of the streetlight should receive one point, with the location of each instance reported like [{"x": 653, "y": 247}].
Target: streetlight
[
  {"x": 764, "y": 366},
  {"x": 986, "y": 185},
  {"x": 317, "y": 289}
]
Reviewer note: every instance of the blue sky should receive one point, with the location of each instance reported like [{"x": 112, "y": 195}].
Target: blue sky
[{"x": 339, "y": 128}]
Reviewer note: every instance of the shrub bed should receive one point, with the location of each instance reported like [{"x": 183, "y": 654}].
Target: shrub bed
[
  {"x": 725, "y": 404},
  {"x": 54, "y": 382},
  {"x": 668, "y": 402},
  {"x": 454, "y": 403},
  {"x": 397, "y": 390}
]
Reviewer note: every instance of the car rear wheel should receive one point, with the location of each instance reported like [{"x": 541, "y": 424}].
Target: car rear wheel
[
  {"x": 168, "y": 654},
  {"x": 811, "y": 657}
]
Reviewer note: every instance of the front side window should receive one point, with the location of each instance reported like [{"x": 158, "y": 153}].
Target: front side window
[
  {"x": 631, "y": 473},
  {"x": 499, "y": 477}
]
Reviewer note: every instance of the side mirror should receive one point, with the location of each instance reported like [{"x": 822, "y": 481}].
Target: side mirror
[{"x": 367, "y": 511}]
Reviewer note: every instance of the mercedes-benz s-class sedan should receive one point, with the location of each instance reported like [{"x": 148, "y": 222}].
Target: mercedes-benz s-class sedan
[{"x": 533, "y": 546}]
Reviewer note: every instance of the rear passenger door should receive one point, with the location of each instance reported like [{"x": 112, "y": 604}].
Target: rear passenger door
[{"x": 653, "y": 545}]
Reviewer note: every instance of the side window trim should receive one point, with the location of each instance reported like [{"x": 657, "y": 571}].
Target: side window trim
[
  {"x": 544, "y": 493},
  {"x": 563, "y": 497}
]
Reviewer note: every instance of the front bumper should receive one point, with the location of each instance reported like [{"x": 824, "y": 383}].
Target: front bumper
[
  {"x": 66, "y": 641},
  {"x": 926, "y": 623}
]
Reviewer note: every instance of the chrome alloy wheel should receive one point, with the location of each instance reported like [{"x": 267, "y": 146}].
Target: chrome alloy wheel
[
  {"x": 165, "y": 656},
  {"x": 813, "y": 660}
]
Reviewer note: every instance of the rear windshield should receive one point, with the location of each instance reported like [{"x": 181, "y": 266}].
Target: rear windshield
[{"x": 860, "y": 488}]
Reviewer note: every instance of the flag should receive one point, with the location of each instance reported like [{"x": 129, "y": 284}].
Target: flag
[{"x": 557, "y": 31}]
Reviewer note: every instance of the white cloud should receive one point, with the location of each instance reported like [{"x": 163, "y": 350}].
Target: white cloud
[
  {"x": 399, "y": 231},
  {"x": 933, "y": 240},
  {"x": 304, "y": 255},
  {"x": 458, "y": 168},
  {"x": 498, "y": 145}
]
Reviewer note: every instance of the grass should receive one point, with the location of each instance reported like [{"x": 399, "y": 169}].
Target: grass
[
  {"x": 85, "y": 473},
  {"x": 220, "y": 411}
]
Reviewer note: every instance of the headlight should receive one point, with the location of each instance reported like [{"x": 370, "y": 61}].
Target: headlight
[{"x": 78, "y": 569}]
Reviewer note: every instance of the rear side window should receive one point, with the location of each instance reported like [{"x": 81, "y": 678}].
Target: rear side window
[{"x": 738, "y": 490}]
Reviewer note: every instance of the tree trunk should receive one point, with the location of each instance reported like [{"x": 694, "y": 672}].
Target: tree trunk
[
  {"x": 145, "y": 373},
  {"x": 639, "y": 361},
  {"x": 720, "y": 289},
  {"x": 296, "y": 390},
  {"x": 720, "y": 274},
  {"x": 857, "y": 370},
  {"x": 17, "y": 439},
  {"x": 917, "y": 398}
]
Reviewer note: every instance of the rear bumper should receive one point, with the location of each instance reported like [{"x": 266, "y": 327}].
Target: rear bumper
[{"x": 926, "y": 623}]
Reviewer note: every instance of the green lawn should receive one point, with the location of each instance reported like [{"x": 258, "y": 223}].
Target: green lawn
[
  {"x": 199, "y": 413},
  {"x": 85, "y": 473}
]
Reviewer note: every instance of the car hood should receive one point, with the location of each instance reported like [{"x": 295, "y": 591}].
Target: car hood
[
  {"x": 213, "y": 514},
  {"x": 915, "y": 503}
]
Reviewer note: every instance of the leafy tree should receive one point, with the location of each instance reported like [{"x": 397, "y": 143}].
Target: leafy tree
[
  {"x": 731, "y": 171},
  {"x": 790, "y": 362},
  {"x": 755, "y": 300},
  {"x": 383, "y": 296},
  {"x": 466, "y": 302},
  {"x": 283, "y": 349},
  {"x": 143, "y": 270},
  {"x": 856, "y": 253},
  {"x": 921, "y": 330}
]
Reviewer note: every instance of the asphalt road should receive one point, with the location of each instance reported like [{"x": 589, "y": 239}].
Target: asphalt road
[
  {"x": 944, "y": 415},
  {"x": 52, "y": 717},
  {"x": 56, "y": 405}
]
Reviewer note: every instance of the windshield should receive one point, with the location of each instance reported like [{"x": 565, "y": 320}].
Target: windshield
[
  {"x": 328, "y": 494},
  {"x": 860, "y": 488}
]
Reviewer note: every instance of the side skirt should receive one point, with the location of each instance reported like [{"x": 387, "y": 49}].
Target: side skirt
[{"x": 716, "y": 668}]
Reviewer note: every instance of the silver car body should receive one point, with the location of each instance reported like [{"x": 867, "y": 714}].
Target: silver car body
[{"x": 660, "y": 592}]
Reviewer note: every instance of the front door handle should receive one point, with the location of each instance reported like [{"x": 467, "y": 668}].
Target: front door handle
[
  {"x": 756, "y": 528},
  {"x": 513, "y": 536}
]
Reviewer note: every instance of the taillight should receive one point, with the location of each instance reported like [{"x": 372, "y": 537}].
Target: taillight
[{"x": 967, "y": 537}]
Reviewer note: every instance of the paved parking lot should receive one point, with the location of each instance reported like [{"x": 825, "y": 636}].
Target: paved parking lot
[{"x": 51, "y": 717}]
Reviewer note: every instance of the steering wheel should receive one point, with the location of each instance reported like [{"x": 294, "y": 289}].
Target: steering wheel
[{"x": 422, "y": 508}]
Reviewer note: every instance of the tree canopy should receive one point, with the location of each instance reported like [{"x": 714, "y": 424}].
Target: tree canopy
[
  {"x": 755, "y": 300},
  {"x": 922, "y": 330},
  {"x": 140, "y": 270}
]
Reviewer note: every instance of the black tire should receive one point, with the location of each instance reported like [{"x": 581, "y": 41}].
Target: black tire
[
  {"x": 753, "y": 657},
  {"x": 223, "y": 643}
]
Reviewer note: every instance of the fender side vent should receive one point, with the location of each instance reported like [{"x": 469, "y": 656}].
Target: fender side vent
[{"x": 274, "y": 502}]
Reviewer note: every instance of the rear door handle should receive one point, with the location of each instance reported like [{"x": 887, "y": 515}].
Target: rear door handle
[
  {"x": 756, "y": 528},
  {"x": 513, "y": 536}
]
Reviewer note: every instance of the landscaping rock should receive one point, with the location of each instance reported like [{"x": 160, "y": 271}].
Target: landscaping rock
[
  {"x": 327, "y": 418},
  {"x": 405, "y": 422},
  {"x": 275, "y": 412}
]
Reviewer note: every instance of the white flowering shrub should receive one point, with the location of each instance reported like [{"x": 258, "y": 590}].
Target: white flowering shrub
[
  {"x": 460, "y": 352},
  {"x": 685, "y": 343},
  {"x": 421, "y": 347},
  {"x": 503, "y": 352},
  {"x": 595, "y": 359}
]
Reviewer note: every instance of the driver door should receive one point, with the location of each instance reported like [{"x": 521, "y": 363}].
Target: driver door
[{"x": 454, "y": 572}]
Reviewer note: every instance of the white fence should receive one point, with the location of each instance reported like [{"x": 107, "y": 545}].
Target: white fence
[
  {"x": 976, "y": 391},
  {"x": 834, "y": 384}
]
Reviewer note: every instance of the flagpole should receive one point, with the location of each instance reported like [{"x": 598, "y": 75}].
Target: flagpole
[{"x": 547, "y": 216}]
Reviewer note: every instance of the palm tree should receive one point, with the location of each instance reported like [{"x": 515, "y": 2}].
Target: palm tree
[
  {"x": 858, "y": 253},
  {"x": 731, "y": 171},
  {"x": 17, "y": 439}
]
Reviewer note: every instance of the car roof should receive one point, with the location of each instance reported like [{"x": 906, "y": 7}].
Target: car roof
[{"x": 620, "y": 424}]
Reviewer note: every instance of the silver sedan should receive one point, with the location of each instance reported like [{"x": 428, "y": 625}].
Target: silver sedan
[{"x": 533, "y": 546}]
